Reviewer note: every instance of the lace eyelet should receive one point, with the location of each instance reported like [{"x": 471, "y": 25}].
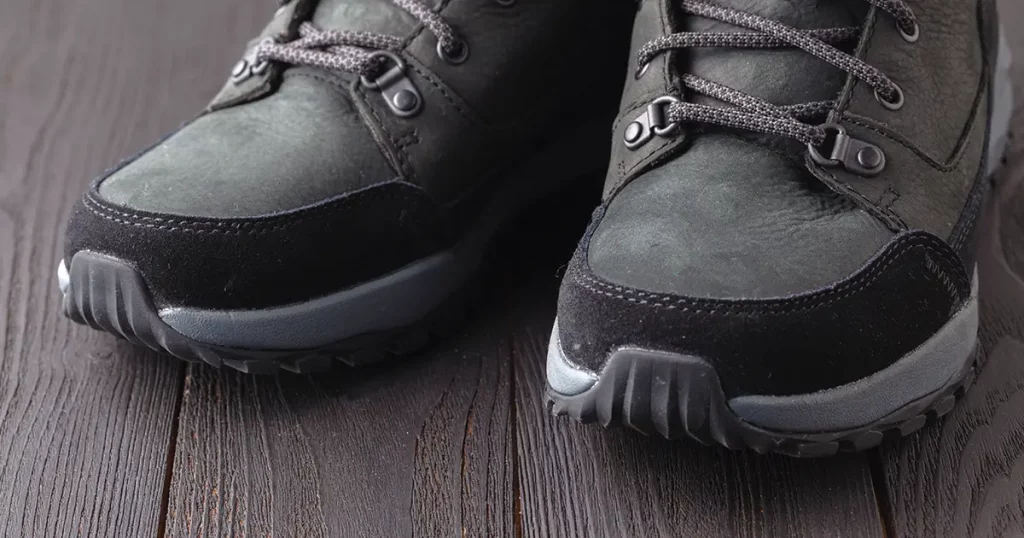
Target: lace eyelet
[
  {"x": 911, "y": 37},
  {"x": 259, "y": 68},
  {"x": 856, "y": 156},
  {"x": 640, "y": 71},
  {"x": 505, "y": 3},
  {"x": 896, "y": 103},
  {"x": 240, "y": 71},
  {"x": 460, "y": 56},
  {"x": 395, "y": 87}
]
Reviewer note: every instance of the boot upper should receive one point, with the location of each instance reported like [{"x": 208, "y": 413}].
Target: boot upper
[{"x": 789, "y": 274}]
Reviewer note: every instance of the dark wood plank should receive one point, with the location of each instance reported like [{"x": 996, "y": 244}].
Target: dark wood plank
[
  {"x": 85, "y": 420},
  {"x": 421, "y": 446}
]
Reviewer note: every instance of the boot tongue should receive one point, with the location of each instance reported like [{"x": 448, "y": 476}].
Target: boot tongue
[
  {"x": 378, "y": 16},
  {"x": 783, "y": 76}
]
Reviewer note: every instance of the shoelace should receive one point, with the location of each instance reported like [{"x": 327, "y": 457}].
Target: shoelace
[
  {"x": 754, "y": 114},
  {"x": 359, "y": 52}
]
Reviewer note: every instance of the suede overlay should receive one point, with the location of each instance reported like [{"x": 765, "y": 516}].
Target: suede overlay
[{"x": 265, "y": 261}]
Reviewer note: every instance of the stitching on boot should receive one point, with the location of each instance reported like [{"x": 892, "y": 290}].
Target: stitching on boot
[{"x": 775, "y": 306}]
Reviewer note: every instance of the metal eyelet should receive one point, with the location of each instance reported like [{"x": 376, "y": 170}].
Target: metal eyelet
[
  {"x": 460, "y": 56},
  {"x": 641, "y": 70},
  {"x": 398, "y": 91},
  {"x": 653, "y": 122},
  {"x": 911, "y": 37},
  {"x": 896, "y": 103},
  {"x": 856, "y": 156},
  {"x": 505, "y": 3},
  {"x": 240, "y": 71},
  {"x": 259, "y": 68}
]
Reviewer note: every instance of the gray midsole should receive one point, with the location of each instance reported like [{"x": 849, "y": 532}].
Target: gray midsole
[
  {"x": 919, "y": 373},
  {"x": 563, "y": 377},
  {"x": 392, "y": 301}
]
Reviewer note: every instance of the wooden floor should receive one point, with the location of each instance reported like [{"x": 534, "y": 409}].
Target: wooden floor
[{"x": 99, "y": 438}]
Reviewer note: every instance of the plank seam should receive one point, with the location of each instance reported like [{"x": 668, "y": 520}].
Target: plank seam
[
  {"x": 882, "y": 499},
  {"x": 165, "y": 495},
  {"x": 517, "y": 502}
]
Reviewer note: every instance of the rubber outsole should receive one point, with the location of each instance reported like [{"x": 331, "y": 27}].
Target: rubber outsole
[
  {"x": 108, "y": 294},
  {"x": 681, "y": 397}
]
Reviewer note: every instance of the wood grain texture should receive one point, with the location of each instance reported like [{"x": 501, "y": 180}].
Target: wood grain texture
[
  {"x": 85, "y": 420},
  {"x": 421, "y": 446}
]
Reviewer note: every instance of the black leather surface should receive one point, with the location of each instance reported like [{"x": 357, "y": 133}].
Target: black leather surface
[
  {"x": 535, "y": 69},
  {"x": 781, "y": 76},
  {"x": 731, "y": 219},
  {"x": 935, "y": 143},
  {"x": 654, "y": 18},
  {"x": 303, "y": 144}
]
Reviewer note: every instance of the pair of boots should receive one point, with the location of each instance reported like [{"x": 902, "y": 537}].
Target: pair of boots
[{"x": 783, "y": 260}]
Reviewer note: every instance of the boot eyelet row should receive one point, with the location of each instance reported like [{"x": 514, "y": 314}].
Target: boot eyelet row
[
  {"x": 895, "y": 103},
  {"x": 460, "y": 55},
  {"x": 641, "y": 70},
  {"x": 248, "y": 66},
  {"x": 462, "y": 52},
  {"x": 912, "y": 36}
]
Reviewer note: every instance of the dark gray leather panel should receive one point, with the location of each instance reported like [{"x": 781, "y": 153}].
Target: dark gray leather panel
[
  {"x": 940, "y": 74},
  {"x": 935, "y": 143},
  {"x": 283, "y": 25},
  {"x": 481, "y": 117},
  {"x": 653, "y": 19},
  {"x": 364, "y": 16},
  {"x": 732, "y": 220},
  {"x": 444, "y": 148},
  {"x": 302, "y": 144},
  {"x": 782, "y": 76}
]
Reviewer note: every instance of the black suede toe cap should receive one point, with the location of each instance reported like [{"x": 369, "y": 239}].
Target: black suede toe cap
[
  {"x": 276, "y": 259},
  {"x": 795, "y": 344}
]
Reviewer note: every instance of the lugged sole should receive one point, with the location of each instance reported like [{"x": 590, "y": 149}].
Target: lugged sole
[
  {"x": 681, "y": 397},
  {"x": 108, "y": 294}
]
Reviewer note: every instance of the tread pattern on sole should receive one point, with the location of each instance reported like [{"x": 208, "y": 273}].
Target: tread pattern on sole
[
  {"x": 677, "y": 396},
  {"x": 108, "y": 294}
]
